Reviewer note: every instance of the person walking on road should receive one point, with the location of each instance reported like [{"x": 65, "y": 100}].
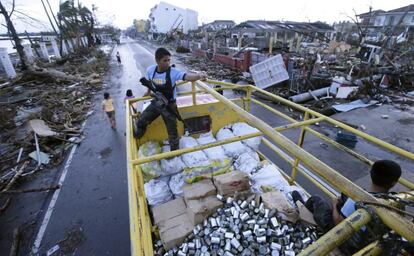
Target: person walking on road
[
  {"x": 108, "y": 108},
  {"x": 161, "y": 80},
  {"x": 128, "y": 95},
  {"x": 118, "y": 58}
]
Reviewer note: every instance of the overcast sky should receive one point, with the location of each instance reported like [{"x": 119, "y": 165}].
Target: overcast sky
[{"x": 122, "y": 12}]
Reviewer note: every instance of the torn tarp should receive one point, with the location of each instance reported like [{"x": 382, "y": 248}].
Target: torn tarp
[{"x": 353, "y": 105}]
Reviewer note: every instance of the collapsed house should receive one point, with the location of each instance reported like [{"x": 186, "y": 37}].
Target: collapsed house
[
  {"x": 264, "y": 35},
  {"x": 379, "y": 24}
]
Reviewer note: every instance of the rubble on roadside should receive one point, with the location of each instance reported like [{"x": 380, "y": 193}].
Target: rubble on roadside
[
  {"x": 213, "y": 69},
  {"x": 355, "y": 72},
  {"x": 42, "y": 116}
]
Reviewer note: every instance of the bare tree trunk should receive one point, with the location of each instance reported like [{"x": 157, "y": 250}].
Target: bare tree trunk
[
  {"x": 14, "y": 251},
  {"x": 16, "y": 39},
  {"x": 48, "y": 16},
  {"x": 54, "y": 17}
]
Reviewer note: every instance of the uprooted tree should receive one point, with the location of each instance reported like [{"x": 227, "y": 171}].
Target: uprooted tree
[
  {"x": 75, "y": 19},
  {"x": 11, "y": 30}
]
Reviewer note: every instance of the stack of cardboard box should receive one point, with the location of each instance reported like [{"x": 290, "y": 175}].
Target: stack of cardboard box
[
  {"x": 177, "y": 218},
  {"x": 201, "y": 200},
  {"x": 233, "y": 182},
  {"x": 173, "y": 222}
]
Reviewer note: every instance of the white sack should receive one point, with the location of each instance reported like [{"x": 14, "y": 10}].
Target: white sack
[
  {"x": 176, "y": 184},
  {"x": 215, "y": 154},
  {"x": 157, "y": 192},
  {"x": 194, "y": 159},
  {"x": 152, "y": 169},
  {"x": 232, "y": 149},
  {"x": 247, "y": 162},
  {"x": 240, "y": 129},
  {"x": 173, "y": 165},
  {"x": 268, "y": 175}
]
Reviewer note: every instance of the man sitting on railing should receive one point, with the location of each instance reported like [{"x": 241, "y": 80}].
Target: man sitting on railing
[
  {"x": 384, "y": 175},
  {"x": 161, "y": 81}
]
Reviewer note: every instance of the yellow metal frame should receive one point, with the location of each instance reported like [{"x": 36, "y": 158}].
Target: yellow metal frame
[{"x": 313, "y": 169}]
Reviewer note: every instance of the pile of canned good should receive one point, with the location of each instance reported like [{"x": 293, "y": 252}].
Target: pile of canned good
[{"x": 244, "y": 228}]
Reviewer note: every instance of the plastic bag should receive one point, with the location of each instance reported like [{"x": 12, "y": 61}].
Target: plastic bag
[
  {"x": 152, "y": 169},
  {"x": 171, "y": 166},
  {"x": 216, "y": 155},
  {"x": 247, "y": 162},
  {"x": 195, "y": 159},
  {"x": 176, "y": 184},
  {"x": 233, "y": 149},
  {"x": 240, "y": 129},
  {"x": 268, "y": 176},
  {"x": 157, "y": 192}
]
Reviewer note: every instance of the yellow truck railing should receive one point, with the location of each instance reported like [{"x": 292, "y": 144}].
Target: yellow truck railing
[{"x": 302, "y": 162}]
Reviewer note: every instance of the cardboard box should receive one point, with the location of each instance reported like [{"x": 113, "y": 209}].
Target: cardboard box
[
  {"x": 305, "y": 215},
  {"x": 227, "y": 184},
  {"x": 199, "y": 190},
  {"x": 277, "y": 200},
  {"x": 174, "y": 231},
  {"x": 200, "y": 209},
  {"x": 242, "y": 195},
  {"x": 168, "y": 210}
]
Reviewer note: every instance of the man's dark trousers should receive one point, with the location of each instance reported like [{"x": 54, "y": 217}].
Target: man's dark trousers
[{"x": 170, "y": 121}]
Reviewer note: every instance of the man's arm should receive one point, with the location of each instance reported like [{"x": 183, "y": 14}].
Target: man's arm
[
  {"x": 337, "y": 217},
  {"x": 194, "y": 77},
  {"x": 148, "y": 93}
]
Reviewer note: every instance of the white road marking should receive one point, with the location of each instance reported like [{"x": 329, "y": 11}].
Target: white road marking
[
  {"x": 145, "y": 49},
  {"x": 46, "y": 219}
]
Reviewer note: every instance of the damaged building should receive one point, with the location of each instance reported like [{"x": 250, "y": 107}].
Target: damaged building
[
  {"x": 264, "y": 35},
  {"x": 167, "y": 18},
  {"x": 379, "y": 24},
  {"x": 346, "y": 31}
]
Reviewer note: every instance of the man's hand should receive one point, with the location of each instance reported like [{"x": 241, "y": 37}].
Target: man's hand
[
  {"x": 148, "y": 93},
  {"x": 335, "y": 201},
  {"x": 202, "y": 75},
  {"x": 337, "y": 217}
]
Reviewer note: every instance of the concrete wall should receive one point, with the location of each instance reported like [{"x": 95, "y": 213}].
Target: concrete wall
[{"x": 165, "y": 17}]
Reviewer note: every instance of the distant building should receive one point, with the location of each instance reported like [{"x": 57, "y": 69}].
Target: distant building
[
  {"x": 260, "y": 33},
  {"x": 219, "y": 25},
  {"x": 397, "y": 21},
  {"x": 345, "y": 30},
  {"x": 140, "y": 25},
  {"x": 165, "y": 18}
]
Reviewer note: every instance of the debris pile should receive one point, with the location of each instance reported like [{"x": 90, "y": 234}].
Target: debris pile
[
  {"x": 41, "y": 116},
  {"x": 213, "y": 69},
  {"x": 244, "y": 227},
  {"x": 370, "y": 71}
]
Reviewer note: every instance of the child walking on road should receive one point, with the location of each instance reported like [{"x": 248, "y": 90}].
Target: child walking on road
[
  {"x": 108, "y": 108},
  {"x": 128, "y": 95},
  {"x": 118, "y": 58}
]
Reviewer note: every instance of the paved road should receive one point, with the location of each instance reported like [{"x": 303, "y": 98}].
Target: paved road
[{"x": 92, "y": 206}]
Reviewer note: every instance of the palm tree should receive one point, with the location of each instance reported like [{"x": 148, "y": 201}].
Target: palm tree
[
  {"x": 76, "y": 20},
  {"x": 88, "y": 23}
]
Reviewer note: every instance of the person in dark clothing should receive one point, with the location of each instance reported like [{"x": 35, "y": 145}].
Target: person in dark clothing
[
  {"x": 384, "y": 175},
  {"x": 118, "y": 57},
  {"x": 162, "y": 78}
]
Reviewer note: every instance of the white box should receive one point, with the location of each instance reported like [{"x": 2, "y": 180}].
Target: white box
[{"x": 269, "y": 72}]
